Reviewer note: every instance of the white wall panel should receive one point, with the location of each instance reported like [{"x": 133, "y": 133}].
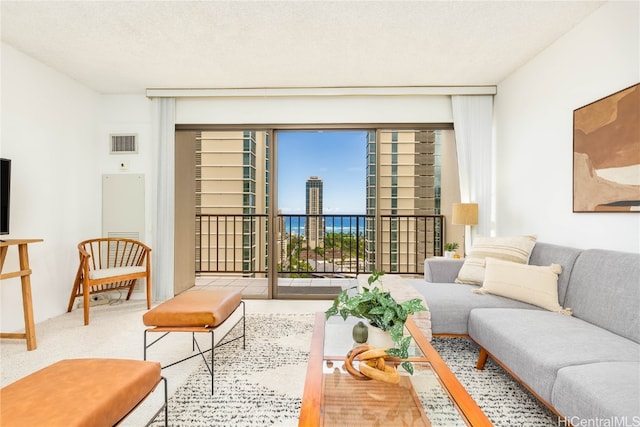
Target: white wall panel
[
  {"x": 123, "y": 206},
  {"x": 314, "y": 110},
  {"x": 534, "y": 131},
  {"x": 48, "y": 131}
]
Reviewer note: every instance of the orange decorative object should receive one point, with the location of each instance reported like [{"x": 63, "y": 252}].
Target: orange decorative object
[{"x": 372, "y": 365}]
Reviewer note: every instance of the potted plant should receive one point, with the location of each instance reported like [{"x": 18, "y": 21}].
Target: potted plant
[
  {"x": 381, "y": 310},
  {"x": 450, "y": 249}
]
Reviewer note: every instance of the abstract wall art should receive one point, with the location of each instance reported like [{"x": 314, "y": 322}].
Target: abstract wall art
[{"x": 606, "y": 154}]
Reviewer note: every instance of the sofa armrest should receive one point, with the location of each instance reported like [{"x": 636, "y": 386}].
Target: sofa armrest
[{"x": 442, "y": 270}]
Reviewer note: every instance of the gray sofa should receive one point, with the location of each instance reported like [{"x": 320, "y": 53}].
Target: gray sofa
[{"x": 585, "y": 367}]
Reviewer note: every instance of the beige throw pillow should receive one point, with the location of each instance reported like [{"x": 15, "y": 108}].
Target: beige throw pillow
[
  {"x": 537, "y": 285},
  {"x": 515, "y": 249}
]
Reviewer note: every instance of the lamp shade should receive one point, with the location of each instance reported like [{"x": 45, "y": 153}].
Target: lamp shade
[{"x": 465, "y": 214}]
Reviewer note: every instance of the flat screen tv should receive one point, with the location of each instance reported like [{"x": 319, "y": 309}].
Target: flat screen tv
[{"x": 5, "y": 199}]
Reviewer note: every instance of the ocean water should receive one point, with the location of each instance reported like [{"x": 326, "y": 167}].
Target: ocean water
[{"x": 333, "y": 224}]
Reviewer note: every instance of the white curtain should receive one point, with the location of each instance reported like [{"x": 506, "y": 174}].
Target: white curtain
[
  {"x": 473, "y": 122},
  {"x": 163, "y": 230}
]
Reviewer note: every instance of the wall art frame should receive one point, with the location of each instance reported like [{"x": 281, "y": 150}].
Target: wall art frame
[{"x": 606, "y": 153}]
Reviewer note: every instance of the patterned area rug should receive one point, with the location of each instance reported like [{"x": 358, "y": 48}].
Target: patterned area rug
[
  {"x": 263, "y": 384},
  {"x": 500, "y": 397}
]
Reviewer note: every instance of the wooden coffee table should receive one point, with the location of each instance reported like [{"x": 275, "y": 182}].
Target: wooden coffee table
[{"x": 433, "y": 396}]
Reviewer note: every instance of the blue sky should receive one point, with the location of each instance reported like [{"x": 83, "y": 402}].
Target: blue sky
[{"x": 336, "y": 157}]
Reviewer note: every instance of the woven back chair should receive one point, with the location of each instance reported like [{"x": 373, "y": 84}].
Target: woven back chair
[{"x": 108, "y": 264}]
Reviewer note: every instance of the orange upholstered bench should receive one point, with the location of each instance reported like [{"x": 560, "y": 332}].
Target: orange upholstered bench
[
  {"x": 195, "y": 311},
  {"x": 80, "y": 392}
]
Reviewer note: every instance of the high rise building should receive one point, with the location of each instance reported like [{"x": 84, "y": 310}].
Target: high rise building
[
  {"x": 314, "y": 226},
  {"x": 402, "y": 179},
  {"x": 232, "y": 180}
]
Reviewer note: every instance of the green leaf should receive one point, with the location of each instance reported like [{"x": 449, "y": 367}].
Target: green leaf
[
  {"x": 408, "y": 366},
  {"x": 414, "y": 306},
  {"x": 396, "y": 332},
  {"x": 401, "y": 313},
  {"x": 377, "y": 310},
  {"x": 331, "y": 312},
  {"x": 395, "y": 352},
  {"x": 366, "y": 297},
  {"x": 375, "y": 275},
  {"x": 389, "y": 315},
  {"x": 404, "y": 347}
]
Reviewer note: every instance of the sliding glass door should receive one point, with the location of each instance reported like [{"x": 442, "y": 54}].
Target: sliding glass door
[
  {"x": 321, "y": 210},
  {"x": 300, "y": 213}
]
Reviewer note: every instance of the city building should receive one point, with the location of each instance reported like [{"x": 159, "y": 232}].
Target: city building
[
  {"x": 314, "y": 229},
  {"x": 231, "y": 190},
  {"x": 403, "y": 179}
]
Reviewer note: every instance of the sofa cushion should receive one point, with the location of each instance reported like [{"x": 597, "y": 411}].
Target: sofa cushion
[
  {"x": 607, "y": 391},
  {"x": 536, "y": 344},
  {"x": 533, "y": 284},
  {"x": 116, "y": 271},
  {"x": 605, "y": 290},
  {"x": 547, "y": 254},
  {"x": 194, "y": 309},
  {"x": 514, "y": 249},
  {"x": 450, "y": 304},
  {"x": 442, "y": 270}
]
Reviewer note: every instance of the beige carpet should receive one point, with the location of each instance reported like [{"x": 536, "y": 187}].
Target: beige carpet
[{"x": 116, "y": 331}]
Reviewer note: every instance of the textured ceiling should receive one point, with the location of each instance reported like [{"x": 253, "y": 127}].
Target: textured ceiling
[{"x": 129, "y": 46}]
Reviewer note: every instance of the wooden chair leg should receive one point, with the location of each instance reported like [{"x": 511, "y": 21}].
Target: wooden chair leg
[
  {"x": 76, "y": 286},
  {"x": 482, "y": 359},
  {"x": 85, "y": 292},
  {"x": 131, "y": 287}
]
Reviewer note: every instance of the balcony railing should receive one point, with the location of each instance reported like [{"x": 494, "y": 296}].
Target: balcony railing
[{"x": 317, "y": 245}]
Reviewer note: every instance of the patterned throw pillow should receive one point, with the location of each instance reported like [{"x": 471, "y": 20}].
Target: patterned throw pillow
[
  {"x": 514, "y": 249},
  {"x": 533, "y": 284}
]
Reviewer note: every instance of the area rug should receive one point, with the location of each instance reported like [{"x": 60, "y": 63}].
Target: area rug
[
  {"x": 258, "y": 386},
  {"x": 263, "y": 384}
]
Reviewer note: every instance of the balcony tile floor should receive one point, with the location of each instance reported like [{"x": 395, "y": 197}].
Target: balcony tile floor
[{"x": 257, "y": 288}]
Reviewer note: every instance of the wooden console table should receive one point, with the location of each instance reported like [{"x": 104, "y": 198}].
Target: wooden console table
[{"x": 25, "y": 277}]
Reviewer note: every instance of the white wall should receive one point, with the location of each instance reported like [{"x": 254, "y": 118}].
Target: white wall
[
  {"x": 534, "y": 131},
  {"x": 129, "y": 114},
  {"x": 314, "y": 110},
  {"x": 48, "y": 128},
  {"x": 56, "y": 132}
]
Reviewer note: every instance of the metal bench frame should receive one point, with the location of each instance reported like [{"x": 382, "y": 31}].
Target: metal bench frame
[{"x": 194, "y": 343}]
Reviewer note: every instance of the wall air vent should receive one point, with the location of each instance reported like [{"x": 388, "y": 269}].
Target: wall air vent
[{"x": 123, "y": 143}]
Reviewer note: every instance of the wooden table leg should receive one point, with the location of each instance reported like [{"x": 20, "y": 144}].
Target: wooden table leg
[
  {"x": 27, "y": 302},
  {"x": 3, "y": 256}
]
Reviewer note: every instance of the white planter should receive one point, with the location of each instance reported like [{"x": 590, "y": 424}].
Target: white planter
[
  {"x": 379, "y": 338},
  {"x": 449, "y": 254}
]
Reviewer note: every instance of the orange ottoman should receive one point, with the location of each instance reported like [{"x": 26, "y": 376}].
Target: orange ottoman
[
  {"x": 80, "y": 392},
  {"x": 195, "y": 311}
]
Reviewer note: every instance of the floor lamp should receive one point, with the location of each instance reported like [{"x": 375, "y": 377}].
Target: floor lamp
[{"x": 465, "y": 214}]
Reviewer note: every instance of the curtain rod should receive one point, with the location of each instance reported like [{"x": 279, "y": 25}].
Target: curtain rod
[{"x": 322, "y": 91}]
